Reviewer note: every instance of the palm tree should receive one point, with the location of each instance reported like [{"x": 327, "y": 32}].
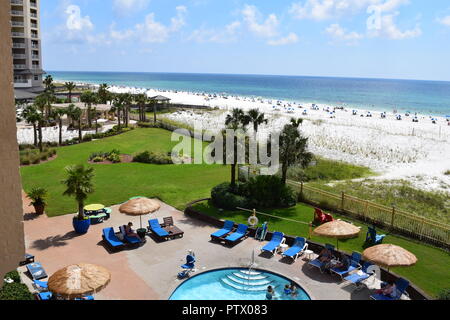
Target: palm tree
[
  {"x": 128, "y": 101},
  {"x": 31, "y": 116},
  {"x": 57, "y": 115},
  {"x": 79, "y": 185},
  {"x": 103, "y": 94},
  {"x": 296, "y": 122},
  {"x": 141, "y": 100},
  {"x": 77, "y": 115},
  {"x": 293, "y": 149},
  {"x": 235, "y": 121},
  {"x": 69, "y": 112},
  {"x": 40, "y": 103},
  {"x": 89, "y": 98},
  {"x": 118, "y": 105},
  {"x": 256, "y": 118},
  {"x": 70, "y": 86},
  {"x": 48, "y": 83}
]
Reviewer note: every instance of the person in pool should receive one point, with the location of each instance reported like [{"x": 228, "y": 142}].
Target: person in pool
[
  {"x": 294, "y": 292},
  {"x": 270, "y": 294},
  {"x": 287, "y": 290}
]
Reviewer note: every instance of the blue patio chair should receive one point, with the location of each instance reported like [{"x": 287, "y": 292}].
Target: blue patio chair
[
  {"x": 354, "y": 265},
  {"x": 36, "y": 271},
  {"x": 40, "y": 285},
  {"x": 45, "y": 296},
  {"x": 156, "y": 229},
  {"x": 227, "y": 228},
  {"x": 373, "y": 238},
  {"x": 277, "y": 240},
  {"x": 317, "y": 263},
  {"x": 110, "y": 237},
  {"x": 401, "y": 285},
  {"x": 299, "y": 247},
  {"x": 190, "y": 263},
  {"x": 240, "y": 233},
  {"x": 90, "y": 298},
  {"x": 357, "y": 278}
]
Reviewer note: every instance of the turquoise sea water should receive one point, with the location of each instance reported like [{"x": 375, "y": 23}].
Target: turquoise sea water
[
  {"x": 425, "y": 97},
  {"x": 231, "y": 284}
]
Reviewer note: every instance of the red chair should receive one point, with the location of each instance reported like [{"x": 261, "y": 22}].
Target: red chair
[{"x": 320, "y": 217}]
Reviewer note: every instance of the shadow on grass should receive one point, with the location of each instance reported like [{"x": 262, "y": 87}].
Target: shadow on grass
[{"x": 54, "y": 241}]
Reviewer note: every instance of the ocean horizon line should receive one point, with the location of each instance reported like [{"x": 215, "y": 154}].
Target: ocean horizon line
[{"x": 253, "y": 74}]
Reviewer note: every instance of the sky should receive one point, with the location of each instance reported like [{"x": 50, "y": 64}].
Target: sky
[{"x": 401, "y": 39}]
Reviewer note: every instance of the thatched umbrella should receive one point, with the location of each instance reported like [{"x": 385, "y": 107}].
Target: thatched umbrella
[
  {"x": 139, "y": 207},
  {"x": 78, "y": 280},
  {"x": 337, "y": 229},
  {"x": 389, "y": 255}
]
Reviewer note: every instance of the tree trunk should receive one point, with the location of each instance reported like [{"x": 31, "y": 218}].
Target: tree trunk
[
  {"x": 89, "y": 116},
  {"x": 60, "y": 131},
  {"x": 284, "y": 169},
  {"x": 35, "y": 135},
  {"x": 96, "y": 124},
  {"x": 40, "y": 135},
  {"x": 233, "y": 175},
  {"x": 80, "y": 210},
  {"x": 118, "y": 118},
  {"x": 80, "y": 134},
  {"x": 154, "y": 112}
]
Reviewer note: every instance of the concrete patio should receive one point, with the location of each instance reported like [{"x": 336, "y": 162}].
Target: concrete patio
[{"x": 150, "y": 272}]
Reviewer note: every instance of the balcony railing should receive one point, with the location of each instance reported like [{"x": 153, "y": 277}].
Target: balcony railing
[
  {"x": 33, "y": 4},
  {"x": 19, "y": 56},
  {"x": 34, "y": 36},
  {"x": 19, "y": 2},
  {"x": 16, "y": 13},
  {"x": 34, "y": 15},
  {"x": 17, "y": 23},
  {"x": 18, "y": 34},
  {"x": 20, "y": 66},
  {"x": 18, "y": 45},
  {"x": 21, "y": 81},
  {"x": 34, "y": 25},
  {"x": 35, "y": 57}
]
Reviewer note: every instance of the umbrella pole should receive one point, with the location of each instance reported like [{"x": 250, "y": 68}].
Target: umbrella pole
[{"x": 140, "y": 218}]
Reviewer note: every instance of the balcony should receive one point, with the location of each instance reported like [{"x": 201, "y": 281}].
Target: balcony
[
  {"x": 17, "y": 23},
  {"x": 17, "y": 13},
  {"x": 18, "y": 45},
  {"x": 34, "y": 36},
  {"x": 34, "y": 25},
  {"x": 33, "y": 14},
  {"x": 19, "y": 56},
  {"x": 20, "y": 66},
  {"x": 33, "y": 4},
  {"x": 18, "y": 34},
  {"x": 17, "y": 2},
  {"x": 35, "y": 57}
]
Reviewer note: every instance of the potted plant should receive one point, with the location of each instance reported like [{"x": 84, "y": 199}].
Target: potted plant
[
  {"x": 37, "y": 197},
  {"x": 79, "y": 185}
]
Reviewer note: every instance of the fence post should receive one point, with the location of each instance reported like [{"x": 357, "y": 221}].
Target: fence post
[
  {"x": 342, "y": 201},
  {"x": 393, "y": 216},
  {"x": 365, "y": 210}
]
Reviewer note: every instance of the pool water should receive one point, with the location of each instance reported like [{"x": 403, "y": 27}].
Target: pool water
[{"x": 235, "y": 284}]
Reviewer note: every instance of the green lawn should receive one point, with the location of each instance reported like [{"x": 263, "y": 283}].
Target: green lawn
[
  {"x": 176, "y": 185},
  {"x": 431, "y": 273}
]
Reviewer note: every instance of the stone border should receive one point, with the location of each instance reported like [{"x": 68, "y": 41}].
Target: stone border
[{"x": 414, "y": 292}]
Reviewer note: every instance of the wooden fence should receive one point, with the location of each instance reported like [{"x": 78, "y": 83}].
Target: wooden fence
[{"x": 396, "y": 220}]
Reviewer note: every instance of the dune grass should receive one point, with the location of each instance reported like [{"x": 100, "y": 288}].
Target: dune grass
[
  {"x": 431, "y": 273},
  {"x": 115, "y": 183}
]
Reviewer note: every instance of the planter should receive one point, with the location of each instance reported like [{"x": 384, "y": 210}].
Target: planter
[
  {"x": 39, "y": 209},
  {"x": 81, "y": 226}
]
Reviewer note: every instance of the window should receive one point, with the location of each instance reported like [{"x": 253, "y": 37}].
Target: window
[{"x": 36, "y": 78}]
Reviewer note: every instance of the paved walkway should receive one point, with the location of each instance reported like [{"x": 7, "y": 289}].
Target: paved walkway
[{"x": 150, "y": 271}]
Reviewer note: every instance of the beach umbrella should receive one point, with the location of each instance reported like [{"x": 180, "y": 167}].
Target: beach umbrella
[
  {"x": 78, "y": 280},
  {"x": 389, "y": 255},
  {"x": 139, "y": 206},
  {"x": 337, "y": 229}
]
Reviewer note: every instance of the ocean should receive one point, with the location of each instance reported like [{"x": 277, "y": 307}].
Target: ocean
[{"x": 424, "y": 97}]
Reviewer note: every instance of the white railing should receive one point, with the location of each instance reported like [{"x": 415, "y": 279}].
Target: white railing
[{"x": 17, "y": 13}]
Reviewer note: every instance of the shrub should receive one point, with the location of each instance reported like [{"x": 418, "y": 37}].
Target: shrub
[
  {"x": 14, "y": 275},
  {"x": 222, "y": 197},
  {"x": 113, "y": 156},
  {"x": 15, "y": 291},
  {"x": 444, "y": 294},
  {"x": 153, "y": 158},
  {"x": 269, "y": 192}
]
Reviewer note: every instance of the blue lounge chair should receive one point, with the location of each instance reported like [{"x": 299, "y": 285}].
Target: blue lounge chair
[
  {"x": 110, "y": 237},
  {"x": 299, "y": 247},
  {"x": 130, "y": 240},
  {"x": 354, "y": 265},
  {"x": 358, "y": 277},
  {"x": 190, "y": 263},
  {"x": 90, "y": 298},
  {"x": 44, "y": 295},
  {"x": 277, "y": 240},
  {"x": 36, "y": 271},
  {"x": 240, "y": 233},
  {"x": 227, "y": 228},
  {"x": 317, "y": 263},
  {"x": 401, "y": 285},
  {"x": 373, "y": 238},
  {"x": 156, "y": 230},
  {"x": 40, "y": 285}
]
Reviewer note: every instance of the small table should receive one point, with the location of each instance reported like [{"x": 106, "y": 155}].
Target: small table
[
  {"x": 282, "y": 249},
  {"x": 308, "y": 254},
  {"x": 174, "y": 232}
]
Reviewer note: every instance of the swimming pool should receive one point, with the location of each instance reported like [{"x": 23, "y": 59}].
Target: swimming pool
[{"x": 235, "y": 284}]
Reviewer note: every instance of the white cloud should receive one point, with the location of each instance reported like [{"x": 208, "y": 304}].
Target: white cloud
[
  {"x": 75, "y": 21},
  {"x": 444, "y": 21},
  {"x": 125, "y": 7},
  {"x": 390, "y": 30},
  {"x": 340, "y": 34},
  {"x": 330, "y": 9},
  {"x": 267, "y": 29},
  {"x": 289, "y": 39},
  {"x": 226, "y": 35}
]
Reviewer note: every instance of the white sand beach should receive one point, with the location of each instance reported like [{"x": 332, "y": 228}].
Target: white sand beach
[{"x": 396, "y": 149}]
